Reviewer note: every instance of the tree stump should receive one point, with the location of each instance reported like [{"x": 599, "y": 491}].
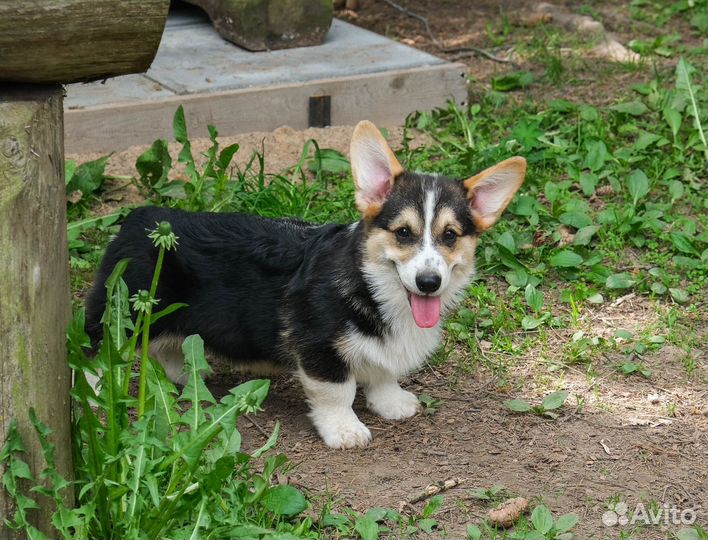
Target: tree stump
[
  {"x": 259, "y": 25},
  {"x": 34, "y": 277}
]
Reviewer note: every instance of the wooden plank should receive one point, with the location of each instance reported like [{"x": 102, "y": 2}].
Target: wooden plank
[
  {"x": 384, "y": 98},
  {"x": 34, "y": 279}
]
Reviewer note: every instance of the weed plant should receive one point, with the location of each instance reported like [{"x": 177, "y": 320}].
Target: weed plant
[{"x": 166, "y": 464}]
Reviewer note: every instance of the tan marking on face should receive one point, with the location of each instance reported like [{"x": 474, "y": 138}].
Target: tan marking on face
[
  {"x": 461, "y": 255},
  {"x": 408, "y": 218},
  {"x": 446, "y": 219},
  {"x": 382, "y": 246},
  {"x": 369, "y": 211}
]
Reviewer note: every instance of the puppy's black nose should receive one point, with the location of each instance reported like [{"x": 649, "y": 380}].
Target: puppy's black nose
[{"x": 428, "y": 283}]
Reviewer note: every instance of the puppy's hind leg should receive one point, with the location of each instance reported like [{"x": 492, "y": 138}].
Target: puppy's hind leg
[
  {"x": 167, "y": 350},
  {"x": 331, "y": 412}
]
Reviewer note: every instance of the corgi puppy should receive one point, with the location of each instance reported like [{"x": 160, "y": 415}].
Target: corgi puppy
[{"x": 338, "y": 305}]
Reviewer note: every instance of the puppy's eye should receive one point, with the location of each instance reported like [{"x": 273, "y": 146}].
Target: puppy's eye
[
  {"x": 403, "y": 233},
  {"x": 449, "y": 236}
]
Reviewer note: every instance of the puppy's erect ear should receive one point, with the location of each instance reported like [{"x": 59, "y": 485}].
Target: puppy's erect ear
[
  {"x": 374, "y": 167},
  {"x": 491, "y": 190}
]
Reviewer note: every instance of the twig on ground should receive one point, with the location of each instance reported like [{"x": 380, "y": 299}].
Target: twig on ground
[
  {"x": 414, "y": 15},
  {"x": 257, "y": 426},
  {"x": 434, "y": 489},
  {"x": 462, "y": 52}
]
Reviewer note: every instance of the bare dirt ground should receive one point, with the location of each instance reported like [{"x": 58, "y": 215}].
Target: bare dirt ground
[{"x": 612, "y": 440}]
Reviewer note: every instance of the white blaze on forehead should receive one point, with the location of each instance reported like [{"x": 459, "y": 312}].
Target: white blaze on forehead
[
  {"x": 430, "y": 258},
  {"x": 429, "y": 216}
]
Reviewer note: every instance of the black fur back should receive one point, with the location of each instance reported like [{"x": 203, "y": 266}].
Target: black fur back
[{"x": 244, "y": 277}]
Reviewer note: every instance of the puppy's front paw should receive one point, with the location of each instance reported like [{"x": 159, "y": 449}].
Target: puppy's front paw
[
  {"x": 342, "y": 430},
  {"x": 392, "y": 402}
]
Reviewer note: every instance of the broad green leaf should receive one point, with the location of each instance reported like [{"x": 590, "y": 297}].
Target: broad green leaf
[
  {"x": 427, "y": 524},
  {"x": 679, "y": 295},
  {"x": 330, "y": 160},
  {"x": 377, "y": 514},
  {"x": 506, "y": 239},
  {"x": 542, "y": 519},
  {"x": 179, "y": 126},
  {"x": 518, "y": 405},
  {"x": 531, "y": 323},
  {"x": 699, "y": 20},
  {"x": 517, "y": 278},
  {"x": 597, "y": 155},
  {"x": 588, "y": 182},
  {"x": 270, "y": 443},
  {"x": 638, "y": 185},
  {"x": 565, "y": 259},
  {"x": 676, "y": 190},
  {"x": 634, "y": 108},
  {"x": 619, "y": 281},
  {"x": 533, "y": 534},
  {"x": 226, "y": 155},
  {"x": 474, "y": 533},
  {"x": 512, "y": 81},
  {"x": 534, "y": 298},
  {"x": 688, "y": 534},
  {"x": 645, "y": 140},
  {"x": 368, "y": 529},
  {"x": 154, "y": 164},
  {"x": 554, "y": 400},
  {"x": 673, "y": 119},
  {"x": 585, "y": 234},
  {"x": 433, "y": 505},
  {"x": 624, "y": 334},
  {"x": 658, "y": 288},
  {"x": 88, "y": 177},
  {"x": 552, "y": 191},
  {"x": 195, "y": 391},
  {"x": 575, "y": 219},
  {"x": 69, "y": 170},
  {"x": 566, "y": 522},
  {"x": 683, "y": 243},
  {"x": 595, "y": 298},
  {"x": 284, "y": 500}
]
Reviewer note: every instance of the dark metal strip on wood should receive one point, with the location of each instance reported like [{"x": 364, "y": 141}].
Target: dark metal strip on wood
[{"x": 320, "y": 111}]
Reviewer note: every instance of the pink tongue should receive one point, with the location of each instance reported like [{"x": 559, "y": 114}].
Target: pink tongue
[{"x": 426, "y": 310}]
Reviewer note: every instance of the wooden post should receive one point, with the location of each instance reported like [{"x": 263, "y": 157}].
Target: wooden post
[{"x": 34, "y": 276}]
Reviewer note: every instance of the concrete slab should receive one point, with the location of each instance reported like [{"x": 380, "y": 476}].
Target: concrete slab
[
  {"x": 361, "y": 71},
  {"x": 196, "y": 59}
]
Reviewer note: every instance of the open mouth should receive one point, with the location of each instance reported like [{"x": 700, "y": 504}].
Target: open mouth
[{"x": 425, "y": 308}]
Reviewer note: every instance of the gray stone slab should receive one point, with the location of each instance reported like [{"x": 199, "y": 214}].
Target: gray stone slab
[{"x": 197, "y": 59}]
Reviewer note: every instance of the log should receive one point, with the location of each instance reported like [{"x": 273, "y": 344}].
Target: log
[
  {"x": 63, "y": 41},
  {"x": 34, "y": 278}
]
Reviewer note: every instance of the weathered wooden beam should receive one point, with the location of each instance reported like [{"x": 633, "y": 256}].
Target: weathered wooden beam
[
  {"x": 65, "y": 41},
  {"x": 34, "y": 276}
]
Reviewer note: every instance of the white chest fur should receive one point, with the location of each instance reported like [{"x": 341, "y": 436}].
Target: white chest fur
[{"x": 401, "y": 351}]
